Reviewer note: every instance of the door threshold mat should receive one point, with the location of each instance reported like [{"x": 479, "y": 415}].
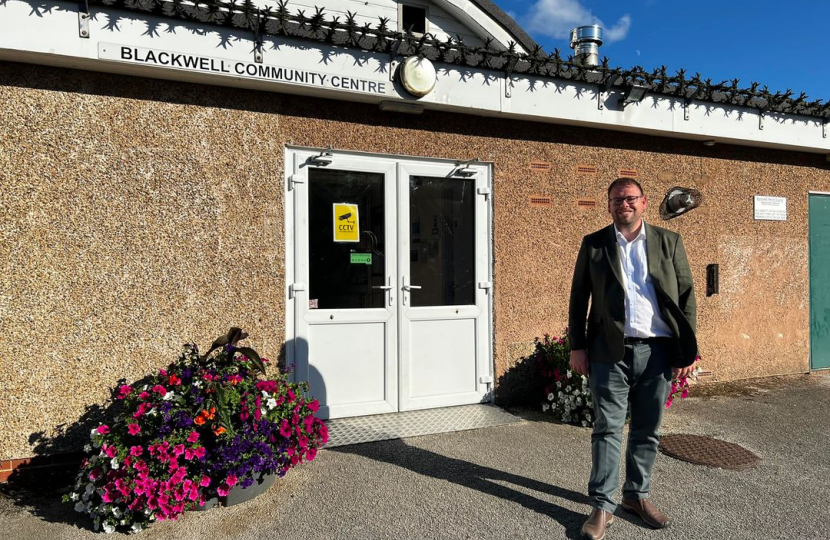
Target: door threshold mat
[
  {"x": 382, "y": 427},
  {"x": 702, "y": 450}
]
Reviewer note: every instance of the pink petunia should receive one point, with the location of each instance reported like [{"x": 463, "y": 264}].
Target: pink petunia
[
  {"x": 311, "y": 454},
  {"x": 199, "y": 452},
  {"x": 193, "y": 437},
  {"x": 231, "y": 480},
  {"x": 222, "y": 490},
  {"x": 685, "y": 393},
  {"x": 110, "y": 451},
  {"x": 133, "y": 429},
  {"x": 103, "y": 429},
  {"x": 124, "y": 391},
  {"x": 159, "y": 389},
  {"x": 205, "y": 481},
  {"x": 178, "y": 450},
  {"x": 136, "y": 450},
  {"x": 143, "y": 395},
  {"x": 314, "y": 406}
]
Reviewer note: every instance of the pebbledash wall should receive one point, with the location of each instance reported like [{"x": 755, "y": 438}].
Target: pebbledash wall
[{"x": 140, "y": 213}]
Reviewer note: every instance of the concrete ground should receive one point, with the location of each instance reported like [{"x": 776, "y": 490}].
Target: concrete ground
[{"x": 524, "y": 481}]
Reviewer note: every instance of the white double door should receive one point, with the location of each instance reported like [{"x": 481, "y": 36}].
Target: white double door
[{"x": 389, "y": 283}]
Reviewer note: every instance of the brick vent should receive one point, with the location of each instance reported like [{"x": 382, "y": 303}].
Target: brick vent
[
  {"x": 540, "y": 166},
  {"x": 586, "y": 169},
  {"x": 540, "y": 200},
  {"x": 628, "y": 173},
  {"x": 702, "y": 450}
]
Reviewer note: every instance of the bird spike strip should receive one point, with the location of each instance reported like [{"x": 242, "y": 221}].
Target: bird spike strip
[{"x": 379, "y": 37}]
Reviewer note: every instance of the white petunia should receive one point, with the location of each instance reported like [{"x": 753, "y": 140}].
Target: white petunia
[
  {"x": 576, "y": 392},
  {"x": 109, "y": 529},
  {"x": 168, "y": 396},
  {"x": 136, "y": 528},
  {"x": 545, "y": 407},
  {"x": 93, "y": 433},
  {"x": 80, "y": 507},
  {"x": 271, "y": 403},
  {"x": 558, "y": 384},
  {"x": 265, "y": 394},
  {"x": 116, "y": 512},
  {"x": 568, "y": 389},
  {"x": 114, "y": 463},
  {"x": 550, "y": 396},
  {"x": 87, "y": 448},
  {"x": 584, "y": 423},
  {"x": 570, "y": 374},
  {"x": 262, "y": 410}
]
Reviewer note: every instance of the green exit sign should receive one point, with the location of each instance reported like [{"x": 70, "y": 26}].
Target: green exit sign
[{"x": 361, "y": 258}]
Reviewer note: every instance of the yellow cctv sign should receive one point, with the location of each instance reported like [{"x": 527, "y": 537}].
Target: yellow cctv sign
[{"x": 346, "y": 223}]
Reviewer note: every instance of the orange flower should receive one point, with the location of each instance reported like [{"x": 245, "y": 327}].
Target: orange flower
[
  {"x": 199, "y": 420},
  {"x": 218, "y": 431}
]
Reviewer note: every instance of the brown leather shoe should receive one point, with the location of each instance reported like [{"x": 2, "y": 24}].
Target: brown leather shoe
[
  {"x": 594, "y": 527},
  {"x": 648, "y": 512}
]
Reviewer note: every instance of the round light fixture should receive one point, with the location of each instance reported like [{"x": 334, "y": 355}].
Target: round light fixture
[{"x": 418, "y": 75}]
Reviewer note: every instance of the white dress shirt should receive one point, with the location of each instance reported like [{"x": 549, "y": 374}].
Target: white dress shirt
[{"x": 642, "y": 313}]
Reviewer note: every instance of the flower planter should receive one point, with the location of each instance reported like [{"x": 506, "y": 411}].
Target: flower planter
[{"x": 237, "y": 495}]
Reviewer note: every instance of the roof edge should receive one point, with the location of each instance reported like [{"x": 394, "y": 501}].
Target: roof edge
[{"x": 507, "y": 22}]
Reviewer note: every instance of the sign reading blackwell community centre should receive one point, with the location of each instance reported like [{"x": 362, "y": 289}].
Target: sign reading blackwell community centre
[{"x": 236, "y": 68}]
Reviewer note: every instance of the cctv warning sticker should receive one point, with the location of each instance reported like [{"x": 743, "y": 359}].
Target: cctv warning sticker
[{"x": 346, "y": 223}]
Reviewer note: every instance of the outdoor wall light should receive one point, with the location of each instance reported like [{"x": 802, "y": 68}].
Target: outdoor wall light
[
  {"x": 401, "y": 107},
  {"x": 635, "y": 94},
  {"x": 708, "y": 143}
]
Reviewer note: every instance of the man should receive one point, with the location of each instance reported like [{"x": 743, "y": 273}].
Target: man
[{"x": 640, "y": 333}]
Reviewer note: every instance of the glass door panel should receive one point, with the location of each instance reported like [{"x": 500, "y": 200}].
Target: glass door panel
[
  {"x": 442, "y": 241},
  {"x": 346, "y": 274}
]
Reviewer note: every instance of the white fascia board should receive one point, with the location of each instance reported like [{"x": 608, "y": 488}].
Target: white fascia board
[
  {"x": 479, "y": 22},
  {"x": 51, "y": 38}
]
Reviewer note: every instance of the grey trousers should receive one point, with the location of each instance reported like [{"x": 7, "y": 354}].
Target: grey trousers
[{"x": 643, "y": 378}]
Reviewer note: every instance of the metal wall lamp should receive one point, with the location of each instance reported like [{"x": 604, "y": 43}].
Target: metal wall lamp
[{"x": 634, "y": 94}]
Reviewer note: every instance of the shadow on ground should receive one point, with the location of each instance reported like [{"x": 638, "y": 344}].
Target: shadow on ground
[
  {"x": 473, "y": 476},
  {"x": 37, "y": 486}
]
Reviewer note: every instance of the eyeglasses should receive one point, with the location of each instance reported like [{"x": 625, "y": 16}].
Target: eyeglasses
[{"x": 617, "y": 201}]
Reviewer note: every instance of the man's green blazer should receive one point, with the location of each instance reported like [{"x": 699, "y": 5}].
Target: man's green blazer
[{"x": 598, "y": 276}]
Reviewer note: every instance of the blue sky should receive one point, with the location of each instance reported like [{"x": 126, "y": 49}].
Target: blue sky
[{"x": 781, "y": 44}]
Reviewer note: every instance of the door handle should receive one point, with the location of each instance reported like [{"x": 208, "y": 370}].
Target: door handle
[
  {"x": 386, "y": 288},
  {"x": 407, "y": 287}
]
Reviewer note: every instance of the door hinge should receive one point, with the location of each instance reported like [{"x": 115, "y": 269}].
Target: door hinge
[
  {"x": 294, "y": 288},
  {"x": 295, "y": 179},
  {"x": 484, "y": 191},
  {"x": 485, "y": 284},
  {"x": 485, "y": 379}
]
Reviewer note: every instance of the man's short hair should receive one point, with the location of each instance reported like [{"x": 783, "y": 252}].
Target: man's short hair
[{"x": 625, "y": 181}]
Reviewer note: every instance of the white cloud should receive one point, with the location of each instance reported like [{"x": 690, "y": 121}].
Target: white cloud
[{"x": 556, "y": 18}]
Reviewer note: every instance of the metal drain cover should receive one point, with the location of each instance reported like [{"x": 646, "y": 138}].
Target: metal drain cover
[{"x": 703, "y": 450}]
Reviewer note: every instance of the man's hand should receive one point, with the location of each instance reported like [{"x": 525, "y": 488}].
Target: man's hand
[
  {"x": 579, "y": 362},
  {"x": 677, "y": 373}
]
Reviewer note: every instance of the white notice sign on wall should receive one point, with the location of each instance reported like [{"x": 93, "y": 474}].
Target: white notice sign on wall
[{"x": 771, "y": 208}]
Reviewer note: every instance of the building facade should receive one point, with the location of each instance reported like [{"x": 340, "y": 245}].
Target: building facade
[{"x": 169, "y": 173}]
